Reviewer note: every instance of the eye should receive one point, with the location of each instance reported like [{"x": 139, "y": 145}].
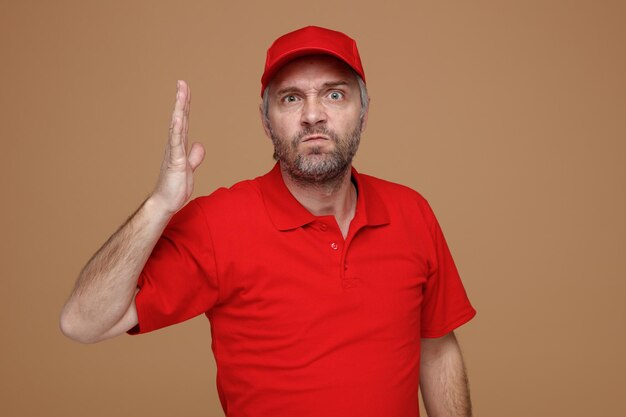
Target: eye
[
  {"x": 335, "y": 95},
  {"x": 290, "y": 99}
]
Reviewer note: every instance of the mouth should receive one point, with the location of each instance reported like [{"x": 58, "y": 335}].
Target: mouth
[{"x": 313, "y": 138}]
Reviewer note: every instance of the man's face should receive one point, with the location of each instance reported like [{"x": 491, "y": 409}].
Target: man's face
[{"x": 314, "y": 118}]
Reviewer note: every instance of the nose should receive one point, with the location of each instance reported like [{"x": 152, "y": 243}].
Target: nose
[{"x": 313, "y": 112}]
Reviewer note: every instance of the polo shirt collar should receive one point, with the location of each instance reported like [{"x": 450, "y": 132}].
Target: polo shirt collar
[{"x": 287, "y": 213}]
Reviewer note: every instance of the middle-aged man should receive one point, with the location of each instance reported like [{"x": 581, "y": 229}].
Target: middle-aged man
[{"x": 329, "y": 292}]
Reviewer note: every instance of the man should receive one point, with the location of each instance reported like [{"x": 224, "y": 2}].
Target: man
[{"x": 329, "y": 292}]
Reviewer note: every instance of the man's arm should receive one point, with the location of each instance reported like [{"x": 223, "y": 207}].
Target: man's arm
[
  {"x": 102, "y": 302},
  {"x": 443, "y": 379}
]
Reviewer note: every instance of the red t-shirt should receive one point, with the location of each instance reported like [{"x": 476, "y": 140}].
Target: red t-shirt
[{"x": 303, "y": 322}]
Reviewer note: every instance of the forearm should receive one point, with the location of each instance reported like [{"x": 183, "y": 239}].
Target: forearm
[
  {"x": 443, "y": 379},
  {"x": 106, "y": 286},
  {"x": 102, "y": 303}
]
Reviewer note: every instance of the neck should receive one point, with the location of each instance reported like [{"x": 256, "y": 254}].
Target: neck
[{"x": 333, "y": 198}]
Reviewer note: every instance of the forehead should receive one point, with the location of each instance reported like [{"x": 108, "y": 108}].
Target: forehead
[{"x": 313, "y": 70}]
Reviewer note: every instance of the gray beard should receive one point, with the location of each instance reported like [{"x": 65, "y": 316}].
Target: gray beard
[{"x": 317, "y": 168}]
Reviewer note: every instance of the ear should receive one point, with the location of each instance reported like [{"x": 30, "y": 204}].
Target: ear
[
  {"x": 264, "y": 122},
  {"x": 365, "y": 115}
]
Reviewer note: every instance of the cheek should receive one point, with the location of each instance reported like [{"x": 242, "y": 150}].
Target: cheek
[
  {"x": 284, "y": 127},
  {"x": 349, "y": 121}
]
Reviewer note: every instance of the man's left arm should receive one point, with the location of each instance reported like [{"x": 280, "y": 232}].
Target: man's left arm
[{"x": 443, "y": 379}]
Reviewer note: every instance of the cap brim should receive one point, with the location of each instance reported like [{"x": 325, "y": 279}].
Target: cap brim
[{"x": 297, "y": 53}]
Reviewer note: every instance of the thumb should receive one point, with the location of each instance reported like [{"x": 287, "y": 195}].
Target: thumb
[{"x": 196, "y": 155}]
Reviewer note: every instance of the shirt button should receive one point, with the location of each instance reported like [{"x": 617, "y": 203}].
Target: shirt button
[
  {"x": 334, "y": 246},
  {"x": 323, "y": 227}
]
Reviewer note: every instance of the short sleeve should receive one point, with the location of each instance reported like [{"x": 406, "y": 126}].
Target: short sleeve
[
  {"x": 445, "y": 305},
  {"x": 179, "y": 279}
]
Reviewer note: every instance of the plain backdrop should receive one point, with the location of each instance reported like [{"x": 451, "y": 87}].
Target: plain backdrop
[{"x": 508, "y": 116}]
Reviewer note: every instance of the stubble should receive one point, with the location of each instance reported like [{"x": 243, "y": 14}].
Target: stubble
[{"x": 317, "y": 167}]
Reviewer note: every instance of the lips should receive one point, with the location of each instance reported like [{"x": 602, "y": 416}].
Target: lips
[{"x": 314, "y": 137}]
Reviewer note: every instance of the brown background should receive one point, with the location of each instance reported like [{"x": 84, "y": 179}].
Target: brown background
[{"x": 508, "y": 116}]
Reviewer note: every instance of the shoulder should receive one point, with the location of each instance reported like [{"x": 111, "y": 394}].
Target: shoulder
[
  {"x": 406, "y": 206},
  {"x": 240, "y": 198},
  {"x": 395, "y": 195}
]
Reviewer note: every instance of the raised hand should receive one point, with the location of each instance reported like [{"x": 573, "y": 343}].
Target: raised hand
[
  {"x": 175, "y": 183},
  {"x": 102, "y": 303}
]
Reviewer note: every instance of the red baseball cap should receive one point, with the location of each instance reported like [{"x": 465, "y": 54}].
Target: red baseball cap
[{"x": 310, "y": 40}]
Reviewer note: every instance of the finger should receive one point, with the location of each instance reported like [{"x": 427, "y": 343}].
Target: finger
[
  {"x": 176, "y": 144},
  {"x": 180, "y": 101},
  {"x": 186, "y": 115},
  {"x": 187, "y": 97},
  {"x": 196, "y": 155}
]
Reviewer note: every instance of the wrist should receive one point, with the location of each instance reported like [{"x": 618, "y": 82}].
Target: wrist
[{"x": 157, "y": 209}]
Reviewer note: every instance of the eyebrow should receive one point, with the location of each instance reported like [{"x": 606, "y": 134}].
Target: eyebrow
[{"x": 328, "y": 84}]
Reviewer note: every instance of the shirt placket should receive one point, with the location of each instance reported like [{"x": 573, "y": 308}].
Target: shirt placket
[{"x": 338, "y": 247}]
